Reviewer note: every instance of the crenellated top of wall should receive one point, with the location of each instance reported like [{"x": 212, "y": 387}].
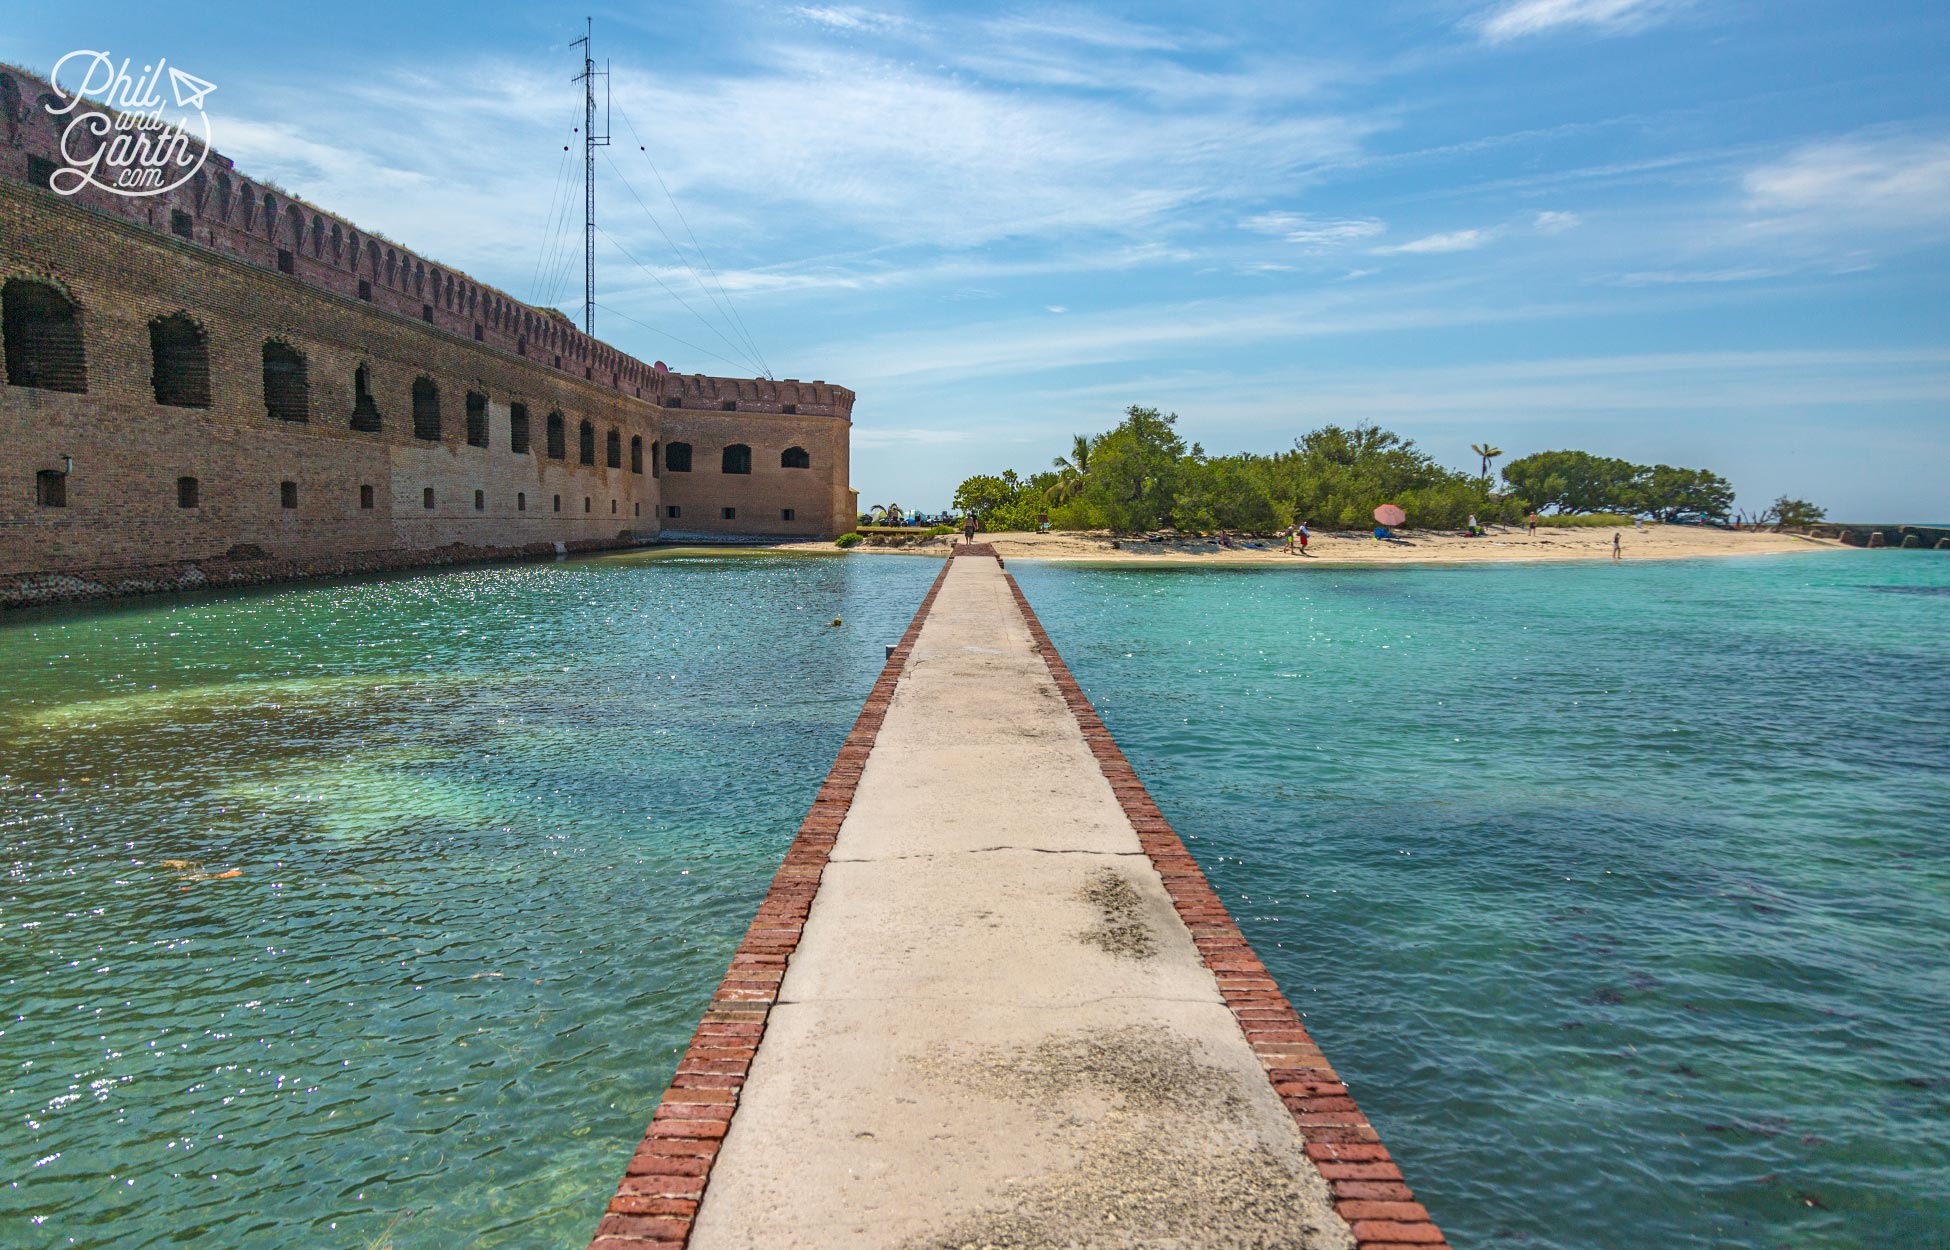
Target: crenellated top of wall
[{"x": 226, "y": 211}]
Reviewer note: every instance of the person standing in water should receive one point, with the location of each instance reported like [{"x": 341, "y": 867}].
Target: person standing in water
[{"x": 1616, "y": 553}]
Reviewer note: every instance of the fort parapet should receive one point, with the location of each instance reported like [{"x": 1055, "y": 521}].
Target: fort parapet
[{"x": 226, "y": 373}]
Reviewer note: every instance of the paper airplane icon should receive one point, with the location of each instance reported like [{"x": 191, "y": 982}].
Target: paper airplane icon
[{"x": 190, "y": 89}]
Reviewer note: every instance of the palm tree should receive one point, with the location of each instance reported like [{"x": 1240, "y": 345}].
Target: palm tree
[
  {"x": 1078, "y": 461},
  {"x": 1488, "y": 453}
]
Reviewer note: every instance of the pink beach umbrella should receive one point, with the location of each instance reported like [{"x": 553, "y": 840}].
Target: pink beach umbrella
[{"x": 1389, "y": 514}]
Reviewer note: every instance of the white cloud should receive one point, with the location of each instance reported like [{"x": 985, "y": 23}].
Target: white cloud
[
  {"x": 1453, "y": 241},
  {"x": 1865, "y": 182},
  {"x": 1056, "y": 308},
  {"x": 1685, "y": 277},
  {"x": 1518, "y": 18},
  {"x": 850, "y": 18},
  {"x": 1314, "y": 233},
  {"x": 1556, "y": 222}
]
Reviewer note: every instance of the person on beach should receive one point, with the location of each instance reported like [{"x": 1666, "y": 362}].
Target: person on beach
[
  {"x": 1531, "y": 520},
  {"x": 1616, "y": 553},
  {"x": 1472, "y": 525},
  {"x": 1289, "y": 539},
  {"x": 1303, "y": 538}
]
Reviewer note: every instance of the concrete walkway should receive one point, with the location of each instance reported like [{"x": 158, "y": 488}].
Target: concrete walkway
[{"x": 995, "y": 1029}]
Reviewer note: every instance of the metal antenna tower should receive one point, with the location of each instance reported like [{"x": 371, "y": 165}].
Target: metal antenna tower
[{"x": 590, "y": 142}]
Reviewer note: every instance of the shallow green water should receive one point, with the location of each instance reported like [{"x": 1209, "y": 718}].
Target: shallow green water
[
  {"x": 497, "y": 830},
  {"x": 1621, "y": 895}
]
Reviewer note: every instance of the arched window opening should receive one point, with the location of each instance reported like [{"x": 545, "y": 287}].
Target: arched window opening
[
  {"x": 477, "y": 419},
  {"x": 613, "y": 450},
  {"x": 558, "y": 443},
  {"x": 636, "y": 453},
  {"x": 287, "y": 395},
  {"x": 42, "y": 328},
  {"x": 518, "y": 429},
  {"x": 677, "y": 457},
  {"x": 738, "y": 458},
  {"x": 426, "y": 409},
  {"x": 586, "y": 444},
  {"x": 795, "y": 458},
  {"x": 179, "y": 362},
  {"x": 365, "y": 413}
]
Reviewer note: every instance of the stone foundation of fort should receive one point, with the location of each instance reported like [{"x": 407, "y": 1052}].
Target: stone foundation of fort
[{"x": 223, "y": 384}]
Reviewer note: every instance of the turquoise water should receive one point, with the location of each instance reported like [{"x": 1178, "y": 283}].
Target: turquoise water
[
  {"x": 1620, "y": 895},
  {"x": 496, "y": 834}
]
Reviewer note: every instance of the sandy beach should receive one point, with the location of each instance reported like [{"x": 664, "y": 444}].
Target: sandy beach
[{"x": 1654, "y": 542}]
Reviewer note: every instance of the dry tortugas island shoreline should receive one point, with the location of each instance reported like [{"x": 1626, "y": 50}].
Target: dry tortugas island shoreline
[{"x": 470, "y": 784}]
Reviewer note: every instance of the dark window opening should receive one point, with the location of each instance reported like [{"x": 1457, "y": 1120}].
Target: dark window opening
[
  {"x": 656, "y": 460},
  {"x": 287, "y": 395},
  {"x": 674, "y": 401},
  {"x": 426, "y": 497},
  {"x": 585, "y": 503},
  {"x": 737, "y": 458},
  {"x": 677, "y": 457},
  {"x": 786, "y": 514},
  {"x": 613, "y": 450},
  {"x": 518, "y": 428},
  {"x": 426, "y": 313},
  {"x": 789, "y": 409},
  {"x": 426, "y": 409},
  {"x": 729, "y": 405},
  {"x": 521, "y": 501},
  {"x": 673, "y": 511},
  {"x": 477, "y": 419},
  {"x": 182, "y": 224},
  {"x": 638, "y": 509},
  {"x": 42, "y": 328},
  {"x": 586, "y": 444},
  {"x": 795, "y": 458},
  {"x": 365, "y": 413},
  {"x": 730, "y": 514},
  {"x": 365, "y": 496},
  {"x": 480, "y": 501},
  {"x": 365, "y": 290},
  {"x": 558, "y": 503},
  {"x": 40, "y": 170},
  {"x": 288, "y": 494},
  {"x": 558, "y": 443},
  {"x": 186, "y": 492},
  {"x": 480, "y": 333},
  {"x": 612, "y": 507},
  {"x": 636, "y": 453},
  {"x": 286, "y": 262},
  {"x": 51, "y": 488},
  {"x": 179, "y": 362}
]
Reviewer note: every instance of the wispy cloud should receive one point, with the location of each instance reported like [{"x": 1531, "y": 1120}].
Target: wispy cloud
[
  {"x": 1453, "y": 241},
  {"x": 850, "y": 18},
  {"x": 1315, "y": 233},
  {"x": 1864, "y": 182},
  {"x": 1552, "y": 222},
  {"x": 1518, "y": 18}
]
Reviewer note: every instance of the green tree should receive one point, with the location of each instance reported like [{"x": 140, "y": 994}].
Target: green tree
[
  {"x": 1795, "y": 514},
  {"x": 1667, "y": 494},
  {"x": 1575, "y": 481},
  {"x": 1134, "y": 471},
  {"x": 1488, "y": 453}
]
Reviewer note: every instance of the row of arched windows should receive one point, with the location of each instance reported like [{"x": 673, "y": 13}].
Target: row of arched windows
[
  {"x": 42, "y": 331},
  {"x": 737, "y": 458}
]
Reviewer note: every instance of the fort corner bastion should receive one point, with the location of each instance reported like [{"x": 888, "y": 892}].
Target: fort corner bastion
[{"x": 223, "y": 384}]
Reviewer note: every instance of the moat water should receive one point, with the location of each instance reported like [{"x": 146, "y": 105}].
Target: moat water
[{"x": 1620, "y": 895}]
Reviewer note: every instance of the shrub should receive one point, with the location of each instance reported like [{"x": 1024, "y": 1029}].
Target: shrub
[
  {"x": 936, "y": 531},
  {"x": 847, "y": 540},
  {"x": 1584, "y": 520}
]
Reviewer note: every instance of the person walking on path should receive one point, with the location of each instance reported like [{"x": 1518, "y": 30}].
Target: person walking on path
[
  {"x": 968, "y": 527},
  {"x": 1616, "y": 553}
]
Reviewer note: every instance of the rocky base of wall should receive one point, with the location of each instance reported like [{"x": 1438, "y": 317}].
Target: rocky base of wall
[{"x": 20, "y": 590}]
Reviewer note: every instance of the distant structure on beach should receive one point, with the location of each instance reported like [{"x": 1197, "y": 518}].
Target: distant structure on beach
[{"x": 222, "y": 383}]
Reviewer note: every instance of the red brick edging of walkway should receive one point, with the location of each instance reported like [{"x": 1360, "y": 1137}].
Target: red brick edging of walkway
[
  {"x": 664, "y": 1182},
  {"x": 1368, "y": 1189}
]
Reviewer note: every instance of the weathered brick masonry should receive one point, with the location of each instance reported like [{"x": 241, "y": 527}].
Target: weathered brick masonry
[{"x": 226, "y": 384}]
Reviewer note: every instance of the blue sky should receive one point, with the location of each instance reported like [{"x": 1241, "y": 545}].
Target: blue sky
[{"x": 1705, "y": 232}]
